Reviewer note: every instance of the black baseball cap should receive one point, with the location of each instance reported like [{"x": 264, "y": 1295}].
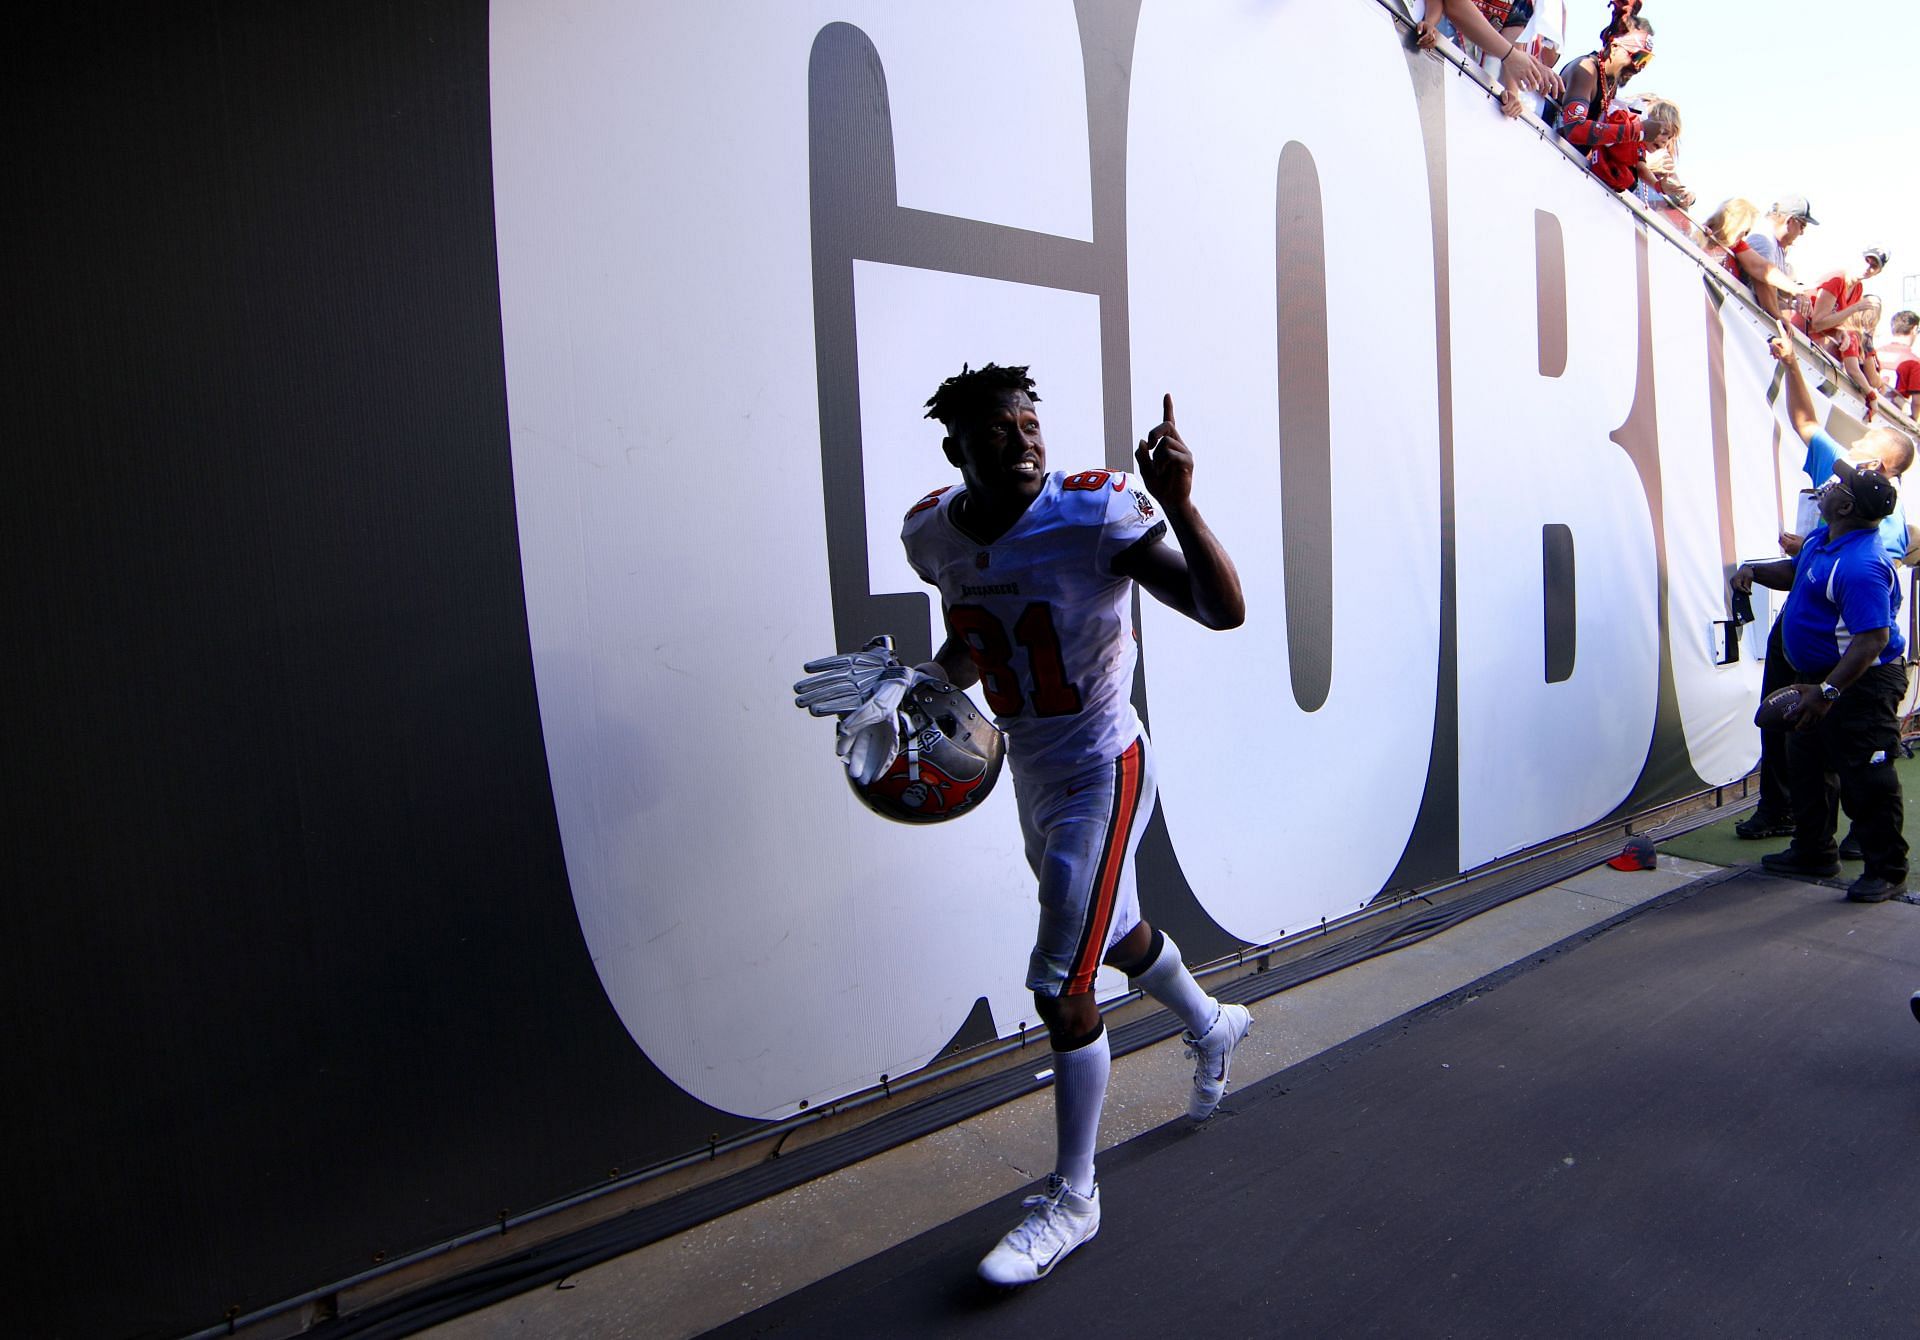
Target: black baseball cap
[
  {"x": 1794, "y": 207},
  {"x": 1873, "y": 493}
]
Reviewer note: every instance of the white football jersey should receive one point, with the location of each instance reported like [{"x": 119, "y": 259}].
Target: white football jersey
[{"x": 1048, "y": 622}]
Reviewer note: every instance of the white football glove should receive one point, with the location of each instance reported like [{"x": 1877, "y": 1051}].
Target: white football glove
[
  {"x": 869, "y": 738},
  {"x": 837, "y": 685}
]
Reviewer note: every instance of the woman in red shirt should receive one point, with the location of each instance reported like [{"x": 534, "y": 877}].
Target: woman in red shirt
[
  {"x": 1839, "y": 309},
  {"x": 1839, "y": 295}
]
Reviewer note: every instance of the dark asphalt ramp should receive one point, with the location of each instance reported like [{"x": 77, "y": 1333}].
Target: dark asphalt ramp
[{"x": 1701, "y": 1121}]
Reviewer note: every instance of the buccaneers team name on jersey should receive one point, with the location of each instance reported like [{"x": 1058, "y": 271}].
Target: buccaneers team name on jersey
[{"x": 1049, "y": 623}]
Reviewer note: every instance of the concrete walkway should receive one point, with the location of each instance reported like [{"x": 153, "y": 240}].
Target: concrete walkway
[
  {"x": 1692, "y": 1123},
  {"x": 685, "y": 1285}
]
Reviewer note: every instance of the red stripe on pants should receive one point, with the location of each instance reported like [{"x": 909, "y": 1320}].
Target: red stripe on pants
[{"x": 1126, "y": 799}]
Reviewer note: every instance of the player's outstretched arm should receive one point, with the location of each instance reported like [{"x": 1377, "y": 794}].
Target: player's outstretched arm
[{"x": 1198, "y": 578}]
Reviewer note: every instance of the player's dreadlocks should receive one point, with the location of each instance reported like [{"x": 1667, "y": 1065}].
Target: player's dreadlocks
[{"x": 967, "y": 395}]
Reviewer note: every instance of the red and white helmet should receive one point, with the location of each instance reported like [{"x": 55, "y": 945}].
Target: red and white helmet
[{"x": 950, "y": 757}]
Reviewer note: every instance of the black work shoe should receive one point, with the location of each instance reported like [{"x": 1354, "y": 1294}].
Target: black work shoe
[
  {"x": 1873, "y": 889},
  {"x": 1757, "y": 825},
  {"x": 1792, "y": 862},
  {"x": 1850, "y": 849}
]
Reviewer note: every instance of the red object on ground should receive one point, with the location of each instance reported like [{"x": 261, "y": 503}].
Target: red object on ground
[{"x": 1638, "y": 854}]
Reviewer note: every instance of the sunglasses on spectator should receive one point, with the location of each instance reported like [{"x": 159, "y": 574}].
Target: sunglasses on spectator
[{"x": 1641, "y": 59}]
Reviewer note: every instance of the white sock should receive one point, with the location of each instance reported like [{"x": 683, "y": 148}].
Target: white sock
[
  {"x": 1168, "y": 981},
  {"x": 1079, "y": 1092}
]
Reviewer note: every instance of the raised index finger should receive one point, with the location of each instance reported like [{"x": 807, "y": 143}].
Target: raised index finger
[{"x": 1166, "y": 402}]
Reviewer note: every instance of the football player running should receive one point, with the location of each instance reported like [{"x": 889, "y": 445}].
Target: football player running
[{"x": 1036, "y": 572}]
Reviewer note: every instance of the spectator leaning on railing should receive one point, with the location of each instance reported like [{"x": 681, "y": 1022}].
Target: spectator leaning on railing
[
  {"x": 1840, "y": 309},
  {"x": 1543, "y": 38},
  {"x": 1610, "y": 136},
  {"x": 1899, "y": 366},
  {"x": 1540, "y": 37},
  {"x": 1857, "y": 354},
  {"x": 1519, "y": 71},
  {"x": 1509, "y": 17},
  {"x": 1659, "y": 185},
  {"x": 1726, "y": 232},
  {"x": 1728, "y": 240},
  {"x": 1842, "y": 293},
  {"x": 1769, "y": 240}
]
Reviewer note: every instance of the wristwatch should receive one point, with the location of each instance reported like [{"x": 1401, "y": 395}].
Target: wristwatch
[{"x": 1829, "y": 692}]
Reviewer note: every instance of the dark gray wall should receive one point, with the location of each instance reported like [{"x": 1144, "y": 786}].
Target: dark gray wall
[{"x": 294, "y": 974}]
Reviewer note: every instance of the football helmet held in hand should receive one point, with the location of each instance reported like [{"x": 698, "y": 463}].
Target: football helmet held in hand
[{"x": 949, "y": 759}]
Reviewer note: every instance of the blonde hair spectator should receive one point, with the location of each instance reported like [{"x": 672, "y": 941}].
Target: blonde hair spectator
[
  {"x": 1733, "y": 220},
  {"x": 1660, "y": 124},
  {"x": 1657, "y": 177},
  {"x": 1866, "y": 319}
]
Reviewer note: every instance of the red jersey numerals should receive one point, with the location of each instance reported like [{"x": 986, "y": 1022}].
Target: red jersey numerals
[
  {"x": 1051, "y": 693},
  {"x": 1090, "y": 480},
  {"x": 932, "y": 499}
]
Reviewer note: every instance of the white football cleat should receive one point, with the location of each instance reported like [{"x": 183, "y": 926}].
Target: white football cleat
[
  {"x": 1058, "y": 1220},
  {"x": 1212, "y": 1056}
]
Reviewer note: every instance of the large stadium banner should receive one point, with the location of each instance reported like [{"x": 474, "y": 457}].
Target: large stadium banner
[
  {"x": 740, "y": 244},
  {"x": 446, "y": 431}
]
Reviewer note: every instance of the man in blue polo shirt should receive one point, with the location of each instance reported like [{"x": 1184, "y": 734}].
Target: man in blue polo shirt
[
  {"x": 1891, "y": 450},
  {"x": 1839, "y": 633}
]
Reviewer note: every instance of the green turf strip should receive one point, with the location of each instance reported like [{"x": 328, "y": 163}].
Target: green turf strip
[{"x": 1717, "y": 844}]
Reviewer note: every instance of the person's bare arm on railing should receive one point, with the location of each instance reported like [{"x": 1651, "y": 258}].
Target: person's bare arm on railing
[
  {"x": 1824, "y": 317},
  {"x": 1426, "y": 33},
  {"x": 1761, "y": 270},
  {"x": 1518, "y": 69}
]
